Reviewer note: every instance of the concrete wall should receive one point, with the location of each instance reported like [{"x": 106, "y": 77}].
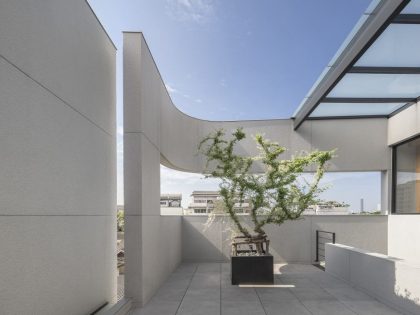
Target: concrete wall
[
  {"x": 404, "y": 125},
  {"x": 152, "y": 242},
  {"x": 57, "y": 174},
  {"x": 294, "y": 241},
  {"x": 403, "y": 237},
  {"x": 391, "y": 280}
]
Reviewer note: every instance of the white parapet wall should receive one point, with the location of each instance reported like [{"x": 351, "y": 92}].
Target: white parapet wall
[
  {"x": 403, "y": 237},
  {"x": 292, "y": 242},
  {"x": 57, "y": 174},
  {"x": 391, "y": 280}
]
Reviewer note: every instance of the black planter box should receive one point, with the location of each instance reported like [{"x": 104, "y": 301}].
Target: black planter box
[{"x": 252, "y": 270}]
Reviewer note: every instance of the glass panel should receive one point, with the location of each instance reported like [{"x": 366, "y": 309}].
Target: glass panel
[
  {"x": 408, "y": 178},
  {"x": 377, "y": 85},
  {"x": 348, "y": 39},
  {"x": 396, "y": 47},
  {"x": 354, "y": 109},
  {"x": 412, "y": 7}
]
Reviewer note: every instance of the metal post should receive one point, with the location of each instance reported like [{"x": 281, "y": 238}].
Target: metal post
[{"x": 317, "y": 242}]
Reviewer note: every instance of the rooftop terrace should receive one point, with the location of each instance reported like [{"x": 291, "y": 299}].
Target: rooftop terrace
[{"x": 205, "y": 289}]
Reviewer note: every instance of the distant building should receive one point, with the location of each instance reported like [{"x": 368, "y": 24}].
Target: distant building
[
  {"x": 170, "y": 204},
  {"x": 328, "y": 208},
  {"x": 203, "y": 202}
]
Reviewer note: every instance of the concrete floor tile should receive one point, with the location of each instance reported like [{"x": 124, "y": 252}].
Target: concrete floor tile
[
  {"x": 239, "y": 294},
  {"x": 209, "y": 268},
  {"x": 293, "y": 307},
  {"x": 308, "y": 294},
  {"x": 204, "y": 283},
  {"x": 275, "y": 294},
  {"x": 203, "y": 294},
  {"x": 242, "y": 308},
  {"x": 155, "y": 308},
  {"x": 327, "y": 308},
  {"x": 370, "y": 308},
  {"x": 188, "y": 268},
  {"x": 349, "y": 294},
  {"x": 199, "y": 307},
  {"x": 205, "y": 289}
]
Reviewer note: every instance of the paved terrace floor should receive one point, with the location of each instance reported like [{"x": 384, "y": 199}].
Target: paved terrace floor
[{"x": 205, "y": 289}]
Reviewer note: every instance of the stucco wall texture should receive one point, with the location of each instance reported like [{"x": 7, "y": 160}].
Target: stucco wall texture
[{"x": 57, "y": 174}]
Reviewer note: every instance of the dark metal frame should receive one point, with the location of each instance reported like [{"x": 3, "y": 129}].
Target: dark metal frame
[
  {"x": 385, "y": 70},
  {"x": 347, "y": 117},
  {"x": 407, "y": 19},
  {"x": 394, "y": 175},
  {"x": 355, "y": 100},
  {"x": 368, "y": 100},
  {"x": 392, "y": 18},
  {"x": 317, "y": 242}
]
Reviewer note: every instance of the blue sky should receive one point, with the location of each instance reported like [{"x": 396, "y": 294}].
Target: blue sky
[{"x": 232, "y": 59}]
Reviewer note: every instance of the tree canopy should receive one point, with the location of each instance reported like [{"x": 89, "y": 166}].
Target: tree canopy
[{"x": 277, "y": 194}]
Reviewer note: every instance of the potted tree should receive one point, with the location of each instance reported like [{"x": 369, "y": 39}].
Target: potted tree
[{"x": 276, "y": 194}]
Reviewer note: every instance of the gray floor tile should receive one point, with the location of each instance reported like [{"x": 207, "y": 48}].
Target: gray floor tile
[
  {"x": 293, "y": 307},
  {"x": 310, "y": 294},
  {"x": 238, "y": 294},
  {"x": 349, "y": 294},
  {"x": 155, "y": 308},
  {"x": 275, "y": 294},
  {"x": 199, "y": 307},
  {"x": 370, "y": 308},
  {"x": 242, "y": 308},
  {"x": 203, "y": 294},
  {"x": 188, "y": 268},
  {"x": 205, "y": 289},
  {"x": 327, "y": 308}
]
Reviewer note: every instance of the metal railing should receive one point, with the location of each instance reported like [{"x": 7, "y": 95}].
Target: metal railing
[{"x": 323, "y": 237}]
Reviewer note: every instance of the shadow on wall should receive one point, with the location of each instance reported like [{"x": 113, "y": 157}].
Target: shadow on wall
[
  {"x": 290, "y": 242},
  {"x": 407, "y": 286},
  {"x": 201, "y": 244}
]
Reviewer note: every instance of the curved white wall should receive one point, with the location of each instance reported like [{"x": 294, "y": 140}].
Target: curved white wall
[
  {"x": 57, "y": 174},
  {"x": 361, "y": 143}
]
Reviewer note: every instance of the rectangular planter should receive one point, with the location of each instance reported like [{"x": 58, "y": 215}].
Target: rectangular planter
[{"x": 252, "y": 269}]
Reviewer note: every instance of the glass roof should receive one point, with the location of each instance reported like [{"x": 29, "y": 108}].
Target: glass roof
[
  {"x": 368, "y": 85},
  {"x": 355, "y": 109},
  {"x": 396, "y": 47},
  {"x": 384, "y": 76},
  {"x": 412, "y": 8}
]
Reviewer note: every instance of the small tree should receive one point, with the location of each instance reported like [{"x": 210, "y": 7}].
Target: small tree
[
  {"x": 120, "y": 220},
  {"x": 276, "y": 193}
]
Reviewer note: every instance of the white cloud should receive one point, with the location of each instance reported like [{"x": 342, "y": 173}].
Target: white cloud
[
  {"x": 198, "y": 11},
  {"x": 171, "y": 89}
]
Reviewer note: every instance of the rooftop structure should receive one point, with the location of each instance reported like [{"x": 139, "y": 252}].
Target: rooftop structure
[
  {"x": 375, "y": 73},
  {"x": 204, "y": 202},
  {"x": 170, "y": 204},
  {"x": 58, "y": 194}
]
